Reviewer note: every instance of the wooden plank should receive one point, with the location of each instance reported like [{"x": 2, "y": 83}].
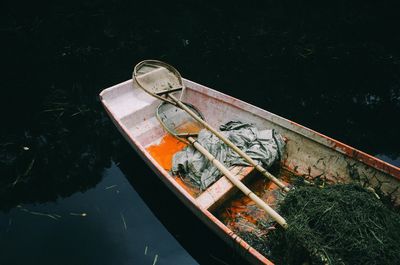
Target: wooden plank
[{"x": 217, "y": 193}]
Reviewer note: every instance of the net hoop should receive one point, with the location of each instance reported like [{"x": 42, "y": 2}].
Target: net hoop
[
  {"x": 156, "y": 64},
  {"x": 182, "y": 136}
]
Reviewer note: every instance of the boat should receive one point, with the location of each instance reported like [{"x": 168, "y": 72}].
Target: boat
[{"x": 309, "y": 154}]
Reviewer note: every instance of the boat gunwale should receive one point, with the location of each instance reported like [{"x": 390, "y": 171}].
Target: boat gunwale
[{"x": 315, "y": 136}]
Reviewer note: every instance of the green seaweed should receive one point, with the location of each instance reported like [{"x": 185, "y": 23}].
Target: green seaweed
[{"x": 337, "y": 224}]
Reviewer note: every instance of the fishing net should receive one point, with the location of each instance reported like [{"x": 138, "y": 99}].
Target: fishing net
[
  {"x": 158, "y": 79},
  {"x": 264, "y": 146},
  {"x": 178, "y": 122},
  {"x": 338, "y": 224}
]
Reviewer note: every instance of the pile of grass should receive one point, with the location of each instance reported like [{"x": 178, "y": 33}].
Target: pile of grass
[{"x": 338, "y": 224}]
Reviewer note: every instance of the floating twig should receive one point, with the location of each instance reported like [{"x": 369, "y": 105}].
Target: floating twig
[
  {"x": 52, "y": 216},
  {"x": 51, "y": 110},
  {"x": 123, "y": 221},
  {"x": 78, "y": 214},
  {"x": 29, "y": 168},
  {"x": 155, "y": 259}
]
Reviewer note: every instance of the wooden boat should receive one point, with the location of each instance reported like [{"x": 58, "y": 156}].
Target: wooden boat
[{"x": 308, "y": 154}]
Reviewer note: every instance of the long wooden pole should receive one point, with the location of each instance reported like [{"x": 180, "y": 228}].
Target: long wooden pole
[
  {"x": 230, "y": 144},
  {"x": 271, "y": 212}
]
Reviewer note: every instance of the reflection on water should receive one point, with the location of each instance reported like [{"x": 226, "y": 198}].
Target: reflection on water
[
  {"x": 109, "y": 224},
  {"x": 65, "y": 152}
]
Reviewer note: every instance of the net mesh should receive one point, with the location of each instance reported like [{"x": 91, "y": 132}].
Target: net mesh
[
  {"x": 177, "y": 121},
  {"x": 158, "y": 79}
]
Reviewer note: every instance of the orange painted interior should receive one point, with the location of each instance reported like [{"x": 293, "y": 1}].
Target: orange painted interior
[
  {"x": 242, "y": 214},
  {"x": 163, "y": 153}
]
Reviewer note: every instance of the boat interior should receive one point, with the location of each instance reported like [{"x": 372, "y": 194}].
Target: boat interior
[{"x": 308, "y": 154}]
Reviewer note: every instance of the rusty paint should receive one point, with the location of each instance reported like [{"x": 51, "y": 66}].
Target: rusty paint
[{"x": 242, "y": 215}]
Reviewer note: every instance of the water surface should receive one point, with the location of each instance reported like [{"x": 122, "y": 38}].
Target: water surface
[{"x": 109, "y": 224}]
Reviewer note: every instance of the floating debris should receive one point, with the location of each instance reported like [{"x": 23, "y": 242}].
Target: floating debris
[
  {"x": 155, "y": 259},
  {"x": 78, "y": 214},
  {"x": 29, "y": 168},
  {"x": 52, "y": 110},
  {"x": 52, "y": 216},
  {"x": 123, "y": 221},
  {"x": 110, "y": 187}
]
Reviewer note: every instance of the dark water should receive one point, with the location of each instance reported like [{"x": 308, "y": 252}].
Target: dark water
[
  {"x": 109, "y": 224},
  {"x": 334, "y": 67}
]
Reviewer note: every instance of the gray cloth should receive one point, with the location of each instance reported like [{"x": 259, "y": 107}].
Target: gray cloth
[{"x": 265, "y": 147}]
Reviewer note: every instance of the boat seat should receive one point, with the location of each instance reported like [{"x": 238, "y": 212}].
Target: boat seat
[{"x": 222, "y": 189}]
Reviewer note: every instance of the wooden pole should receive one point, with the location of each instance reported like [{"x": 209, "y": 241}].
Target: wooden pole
[
  {"x": 271, "y": 212},
  {"x": 230, "y": 144}
]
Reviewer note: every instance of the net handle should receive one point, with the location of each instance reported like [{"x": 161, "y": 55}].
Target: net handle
[
  {"x": 236, "y": 182},
  {"x": 261, "y": 169},
  {"x": 176, "y": 102}
]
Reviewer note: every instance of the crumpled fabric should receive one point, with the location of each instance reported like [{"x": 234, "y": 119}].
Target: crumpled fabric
[{"x": 264, "y": 146}]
